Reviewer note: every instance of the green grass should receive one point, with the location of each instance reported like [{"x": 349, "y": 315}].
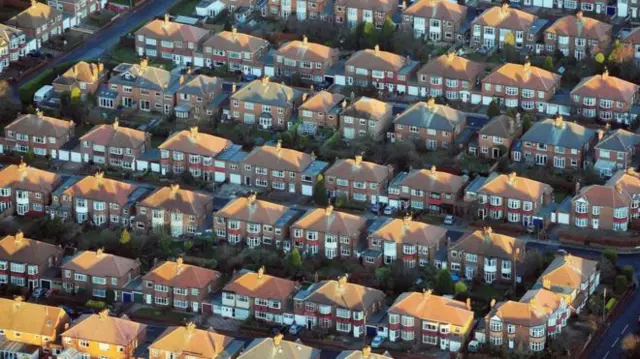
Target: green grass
[
  {"x": 489, "y": 292},
  {"x": 45, "y": 77},
  {"x": 125, "y": 54},
  {"x": 102, "y": 19},
  {"x": 185, "y": 7}
]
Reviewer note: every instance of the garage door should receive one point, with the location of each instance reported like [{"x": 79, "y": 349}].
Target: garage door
[
  {"x": 241, "y": 314},
  {"x": 235, "y": 179},
  {"x": 77, "y": 157},
  {"x": 220, "y": 177},
  {"x": 307, "y": 190},
  {"x": 127, "y": 297},
  {"x": 563, "y": 218}
]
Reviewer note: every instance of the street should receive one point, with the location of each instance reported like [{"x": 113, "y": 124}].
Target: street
[{"x": 105, "y": 38}]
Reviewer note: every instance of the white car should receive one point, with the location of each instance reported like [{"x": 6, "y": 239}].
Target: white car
[
  {"x": 376, "y": 342},
  {"x": 448, "y": 220}
]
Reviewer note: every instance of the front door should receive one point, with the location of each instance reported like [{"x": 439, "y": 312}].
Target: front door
[
  {"x": 148, "y": 299},
  {"x": 196, "y": 307},
  {"x": 292, "y": 188}
]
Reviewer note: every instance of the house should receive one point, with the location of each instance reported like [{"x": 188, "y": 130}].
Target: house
[
  {"x": 97, "y": 273},
  {"x": 411, "y": 242},
  {"x": 77, "y": 11},
  {"x": 179, "y": 211},
  {"x": 486, "y": 255},
  {"x": 382, "y": 69},
  {"x": 282, "y": 169},
  {"x": 449, "y": 75},
  {"x": 631, "y": 41},
  {"x": 236, "y": 51},
  {"x": 332, "y": 234},
  {"x": 577, "y": 36},
  {"x": 358, "y": 180},
  {"x": 95, "y": 335},
  {"x": 602, "y": 207},
  {"x": 190, "y": 150},
  {"x": 615, "y": 151},
  {"x": 490, "y": 28},
  {"x": 555, "y": 142},
  {"x": 427, "y": 318},
  {"x": 354, "y": 12},
  {"x": 264, "y": 103},
  {"x": 366, "y": 117},
  {"x": 310, "y": 60},
  {"x": 23, "y": 261},
  {"x": 426, "y": 189},
  {"x": 98, "y": 200},
  {"x": 365, "y": 353},
  {"x": 497, "y": 136},
  {"x": 606, "y": 98},
  {"x": 30, "y": 328},
  {"x": 571, "y": 277},
  {"x": 13, "y": 42},
  {"x": 27, "y": 189},
  {"x": 436, "y": 20},
  {"x": 114, "y": 145},
  {"x": 169, "y": 40},
  {"x": 516, "y": 85},
  {"x": 42, "y": 135},
  {"x": 260, "y": 296},
  {"x": 84, "y": 76},
  {"x": 627, "y": 10},
  {"x": 321, "y": 110},
  {"x": 512, "y": 198},
  {"x": 197, "y": 98},
  {"x": 254, "y": 222},
  {"x": 39, "y": 21},
  {"x": 337, "y": 305},
  {"x": 141, "y": 86},
  {"x": 629, "y": 180},
  {"x": 284, "y": 349},
  {"x": 189, "y": 340},
  {"x": 179, "y": 285},
  {"x": 303, "y": 11},
  {"x": 435, "y": 125}
]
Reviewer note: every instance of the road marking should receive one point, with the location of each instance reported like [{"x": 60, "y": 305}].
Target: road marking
[
  {"x": 616, "y": 342},
  {"x": 606, "y": 355},
  {"x": 625, "y": 329}
]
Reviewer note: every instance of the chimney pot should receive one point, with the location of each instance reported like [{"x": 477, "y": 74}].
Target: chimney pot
[
  {"x": 358, "y": 159},
  {"x": 376, "y": 49}
]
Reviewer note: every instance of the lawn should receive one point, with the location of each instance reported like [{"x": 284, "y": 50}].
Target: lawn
[
  {"x": 8, "y": 12},
  {"x": 184, "y": 7},
  {"x": 163, "y": 315},
  {"x": 124, "y": 54},
  {"x": 100, "y": 19}
]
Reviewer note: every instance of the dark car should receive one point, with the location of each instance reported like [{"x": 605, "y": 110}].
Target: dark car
[{"x": 323, "y": 85}]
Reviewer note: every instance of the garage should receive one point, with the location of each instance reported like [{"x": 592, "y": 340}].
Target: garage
[
  {"x": 235, "y": 179},
  {"x": 307, "y": 190},
  {"x": 220, "y": 177},
  {"x": 563, "y": 218}
]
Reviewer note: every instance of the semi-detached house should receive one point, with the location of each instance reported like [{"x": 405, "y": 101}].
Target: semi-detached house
[
  {"x": 436, "y": 20},
  {"x": 451, "y": 76},
  {"x": 358, "y": 180},
  {"x": 382, "y": 69},
  {"x": 310, "y": 60},
  {"x": 27, "y": 190},
  {"x": 40, "y": 134},
  {"x": 236, "y": 51},
  {"x": 354, "y": 12},
  {"x": 114, "y": 145},
  {"x": 25, "y": 262}
]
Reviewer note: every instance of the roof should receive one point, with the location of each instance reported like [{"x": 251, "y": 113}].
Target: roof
[
  {"x": 566, "y": 273},
  {"x": 633, "y": 36},
  {"x": 437, "y": 9},
  {"x": 17, "y": 248},
  {"x": 367, "y": 108},
  {"x": 24, "y": 317},
  {"x": 619, "y": 140},
  {"x": 8, "y": 32},
  {"x": 193, "y": 142},
  {"x": 35, "y": 16},
  {"x": 115, "y": 136},
  {"x": 433, "y": 181},
  {"x": 189, "y": 340},
  {"x": 40, "y": 125},
  {"x": 489, "y": 244},
  {"x": 173, "y": 198},
  {"x": 279, "y": 158},
  {"x": 266, "y": 92},
  {"x": 306, "y": 51},
  {"x": 432, "y": 308},
  {"x": 451, "y": 66},
  {"x": 604, "y": 196},
  {"x": 523, "y": 76},
  {"x": 374, "y": 5},
  {"x": 322, "y": 101},
  {"x": 528, "y": 314},
  {"x": 80, "y": 72},
  {"x": 175, "y": 31},
  {"x": 514, "y": 186},
  {"x": 558, "y": 132},
  {"x": 98, "y": 188},
  {"x": 181, "y": 275},
  {"x": 629, "y": 181},
  {"x": 105, "y": 329},
  {"x": 276, "y": 348},
  {"x": 343, "y": 294},
  {"x": 326, "y": 220},
  {"x": 606, "y": 87},
  {"x": 148, "y": 77},
  {"x": 100, "y": 264},
  {"x": 377, "y": 59},
  {"x": 432, "y": 116},
  {"x": 28, "y": 178},
  {"x": 359, "y": 170},
  {"x": 252, "y": 210},
  {"x": 362, "y": 354},
  {"x": 408, "y": 231},
  {"x": 505, "y": 17},
  {"x": 500, "y": 126},
  {"x": 261, "y": 285},
  {"x": 202, "y": 85},
  {"x": 235, "y": 41},
  {"x": 580, "y": 26}
]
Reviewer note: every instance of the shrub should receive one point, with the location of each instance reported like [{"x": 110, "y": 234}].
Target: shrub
[
  {"x": 460, "y": 287},
  {"x": 610, "y": 304},
  {"x": 628, "y": 273},
  {"x": 611, "y": 255},
  {"x": 96, "y": 304},
  {"x": 620, "y": 284}
]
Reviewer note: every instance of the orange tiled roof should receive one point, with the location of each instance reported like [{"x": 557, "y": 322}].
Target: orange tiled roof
[
  {"x": 28, "y": 178},
  {"x": 17, "y": 248},
  {"x": 607, "y": 87},
  {"x": 451, "y": 66},
  {"x": 377, "y": 59},
  {"x": 102, "y": 328},
  {"x": 513, "y": 186},
  {"x": 191, "y": 341},
  {"x": 115, "y": 136},
  {"x": 261, "y": 285},
  {"x": 173, "y": 198},
  {"x": 40, "y": 125},
  {"x": 432, "y": 308},
  {"x": 523, "y": 76},
  {"x": 192, "y": 142},
  {"x": 322, "y": 101},
  {"x": 306, "y": 51},
  {"x": 504, "y": 17},
  {"x": 174, "y": 31},
  {"x": 580, "y": 26},
  {"x": 100, "y": 264},
  {"x": 408, "y": 231},
  {"x": 437, "y": 9},
  {"x": 359, "y": 170},
  {"x": 343, "y": 294},
  {"x": 181, "y": 275},
  {"x": 278, "y": 158},
  {"x": 250, "y": 209},
  {"x": 98, "y": 188},
  {"x": 326, "y": 220}
]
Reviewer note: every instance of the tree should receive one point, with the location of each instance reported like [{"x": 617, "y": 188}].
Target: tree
[
  {"x": 369, "y": 36},
  {"x": 9, "y": 105},
  {"x": 620, "y": 285},
  {"x": 460, "y": 287},
  {"x": 386, "y": 33},
  {"x": 320, "y": 196},
  {"x": 526, "y": 122},
  {"x": 548, "y": 63},
  {"x": 510, "y": 51},
  {"x": 294, "y": 261},
  {"x": 494, "y": 109},
  {"x": 628, "y": 272},
  {"x": 444, "y": 283},
  {"x": 125, "y": 237},
  {"x": 611, "y": 255},
  {"x": 188, "y": 245},
  {"x": 384, "y": 278},
  {"x": 600, "y": 58}
]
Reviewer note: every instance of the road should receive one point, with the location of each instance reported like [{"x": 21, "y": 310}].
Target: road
[
  {"x": 105, "y": 38},
  {"x": 609, "y": 346}
]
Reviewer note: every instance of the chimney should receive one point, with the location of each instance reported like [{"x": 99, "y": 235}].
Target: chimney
[
  {"x": 179, "y": 261},
  {"x": 18, "y": 301},
  {"x": 546, "y": 284},
  {"x": 493, "y": 303},
  {"x": 527, "y": 66},
  {"x": 618, "y": 187},
  {"x": 468, "y": 303},
  {"x": 34, "y": 2},
  {"x": 451, "y": 55},
  {"x": 99, "y": 252},
  {"x": 579, "y": 15},
  {"x": 116, "y": 124},
  {"x": 251, "y": 198},
  {"x": 313, "y": 156},
  {"x": 344, "y": 104},
  {"x": 181, "y": 80},
  {"x": 22, "y": 166},
  {"x": 605, "y": 74},
  {"x": 100, "y": 67},
  {"x": 358, "y": 160},
  {"x": 104, "y": 314},
  {"x": 277, "y": 339},
  {"x": 431, "y": 103},
  {"x": 312, "y": 89},
  {"x": 191, "y": 327},
  {"x": 99, "y": 176},
  {"x": 366, "y": 352},
  {"x": 532, "y": 303},
  {"x": 174, "y": 188},
  {"x": 426, "y": 293},
  {"x": 265, "y": 80},
  {"x": 38, "y": 113},
  {"x": 260, "y": 272},
  {"x": 433, "y": 170},
  {"x": 144, "y": 63},
  {"x": 376, "y": 49},
  {"x": 342, "y": 281},
  {"x": 304, "y": 97},
  {"x": 166, "y": 20},
  {"x": 278, "y": 146},
  {"x": 193, "y": 132},
  {"x": 487, "y": 232},
  {"x": 512, "y": 178},
  {"x": 559, "y": 121},
  {"x": 577, "y": 187},
  {"x": 404, "y": 5},
  {"x": 234, "y": 30},
  {"x": 305, "y": 40},
  {"x": 406, "y": 220},
  {"x": 233, "y": 87},
  {"x": 19, "y": 237},
  {"x": 505, "y": 8},
  {"x": 512, "y": 125},
  {"x": 328, "y": 210},
  {"x": 600, "y": 135}
]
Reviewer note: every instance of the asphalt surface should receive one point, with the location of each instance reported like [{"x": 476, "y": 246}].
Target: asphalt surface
[
  {"x": 609, "y": 346},
  {"x": 106, "y": 38}
]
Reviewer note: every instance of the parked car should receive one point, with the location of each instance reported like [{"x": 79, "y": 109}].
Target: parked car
[
  {"x": 39, "y": 292},
  {"x": 323, "y": 85},
  {"x": 376, "y": 342},
  {"x": 67, "y": 309},
  {"x": 388, "y": 210},
  {"x": 249, "y": 77},
  {"x": 448, "y": 220},
  {"x": 295, "y": 329},
  {"x": 375, "y": 208}
]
